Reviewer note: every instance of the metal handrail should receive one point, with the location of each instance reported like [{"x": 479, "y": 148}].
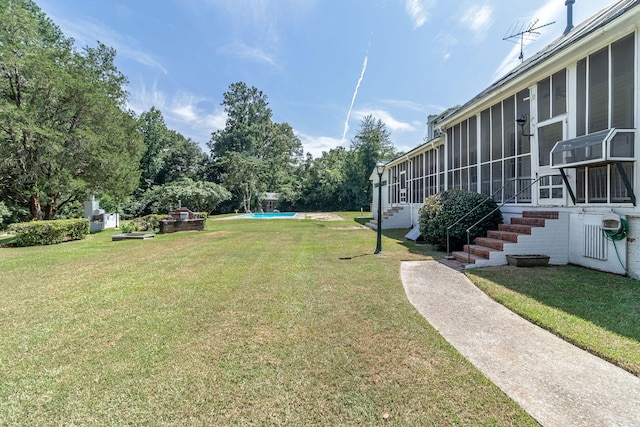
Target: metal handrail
[
  {"x": 490, "y": 213},
  {"x": 509, "y": 181}
]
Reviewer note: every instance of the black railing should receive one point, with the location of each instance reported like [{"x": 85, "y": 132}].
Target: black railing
[
  {"x": 509, "y": 182},
  {"x": 498, "y": 207}
]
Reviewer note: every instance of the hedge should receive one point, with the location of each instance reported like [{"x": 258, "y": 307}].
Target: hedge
[{"x": 49, "y": 232}]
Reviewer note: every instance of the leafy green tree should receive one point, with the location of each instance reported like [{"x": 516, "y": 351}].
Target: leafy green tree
[
  {"x": 323, "y": 181},
  {"x": 183, "y": 159},
  {"x": 371, "y": 144},
  {"x": 63, "y": 131},
  {"x": 252, "y": 154},
  {"x": 168, "y": 156},
  {"x": 248, "y": 118},
  {"x": 245, "y": 177},
  {"x": 281, "y": 150},
  {"x": 198, "y": 196},
  {"x": 157, "y": 140}
]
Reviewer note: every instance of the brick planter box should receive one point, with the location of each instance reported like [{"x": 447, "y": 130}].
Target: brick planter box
[{"x": 173, "y": 226}]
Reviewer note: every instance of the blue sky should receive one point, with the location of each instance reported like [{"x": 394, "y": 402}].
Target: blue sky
[{"x": 323, "y": 64}]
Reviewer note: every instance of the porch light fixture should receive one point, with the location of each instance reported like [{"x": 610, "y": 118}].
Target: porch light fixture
[
  {"x": 379, "y": 170},
  {"x": 522, "y": 121}
]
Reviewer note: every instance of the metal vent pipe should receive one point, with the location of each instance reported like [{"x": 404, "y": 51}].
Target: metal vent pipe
[{"x": 569, "y": 4}]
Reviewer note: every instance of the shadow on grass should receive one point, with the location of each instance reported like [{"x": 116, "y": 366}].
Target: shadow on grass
[
  {"x": 362, "y": 220},
  {"x": 607, "y": 300},
  {"x": 397, "y": 237},
  {"x": 346, "y": 258}
]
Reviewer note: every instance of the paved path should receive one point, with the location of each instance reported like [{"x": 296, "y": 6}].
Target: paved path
[{"x": 555, "y": 382}]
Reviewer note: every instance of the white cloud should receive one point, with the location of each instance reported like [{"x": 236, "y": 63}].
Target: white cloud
[
  {"x": 183, "y": 112},
  {"x": 242, "y": 50},
  {"x": 419, "y": 10},
  {"x": 215, "y": 121},
  {"x": 391, "y": 123},
  {"x": 478, "y": 19},
  {"x": 443, "y": 44},
  {"x": 316, "y": 145},
  {"x": 143, "y": 98},
  {"x": 408, "y": 105}
]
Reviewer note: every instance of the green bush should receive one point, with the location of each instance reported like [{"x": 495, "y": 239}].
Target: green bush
[
  {"x": 127, "y": 227},
  {"x": 144, "y": 223},
  {"x": 148, "y": 222},
  {"x": 49, "y": 232},
  {"x": 442, "y": 210}
]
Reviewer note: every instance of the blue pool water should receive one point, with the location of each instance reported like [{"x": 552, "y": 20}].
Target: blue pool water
[{"x": 270, "y": 215}]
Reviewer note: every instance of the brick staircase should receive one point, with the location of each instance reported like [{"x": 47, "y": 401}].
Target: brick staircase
[
  {"x": 507, "y": 235},
  {"x": 373, "y": 224}
]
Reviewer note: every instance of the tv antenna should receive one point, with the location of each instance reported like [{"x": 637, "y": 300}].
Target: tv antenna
[{"x": 519, "y": 33}]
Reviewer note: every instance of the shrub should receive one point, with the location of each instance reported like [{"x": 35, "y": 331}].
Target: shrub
[
  {"x": 442, "y": 210},
  {"x": 147, "y": 222},
  {"x": 144, "y": 223},
  {"x": 127, "y": 228},
  {"x": 49, "y": 232}
]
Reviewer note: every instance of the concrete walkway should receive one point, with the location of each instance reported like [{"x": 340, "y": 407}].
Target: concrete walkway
[{"x": 555, "y": 382}]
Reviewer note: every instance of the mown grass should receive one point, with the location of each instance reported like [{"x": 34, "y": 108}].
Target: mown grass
[
  {"x": 247, "y": 323},
  {"x": 597, "y": 311}
]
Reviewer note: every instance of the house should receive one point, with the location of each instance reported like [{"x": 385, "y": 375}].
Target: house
[
  {"x": 269, "y": 202},
  {"x": 555, "y": 142}
]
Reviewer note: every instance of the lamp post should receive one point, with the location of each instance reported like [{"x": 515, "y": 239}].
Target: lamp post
[{"x": 380, "y": 171}]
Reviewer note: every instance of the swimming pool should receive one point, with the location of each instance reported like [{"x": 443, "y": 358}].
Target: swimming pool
[{"x": 269, "y": 215}]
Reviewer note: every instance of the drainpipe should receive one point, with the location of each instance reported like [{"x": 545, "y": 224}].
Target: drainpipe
[{"x": 569, "y": 4}]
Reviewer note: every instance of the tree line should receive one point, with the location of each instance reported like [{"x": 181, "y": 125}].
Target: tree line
[{"x": 65, "y": 133}]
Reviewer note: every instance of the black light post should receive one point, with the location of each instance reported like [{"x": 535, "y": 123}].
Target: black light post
[{"x": 380, "y": 171}]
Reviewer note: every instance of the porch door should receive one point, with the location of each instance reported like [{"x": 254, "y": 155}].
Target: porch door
[
  {"x": 551, "y": 191},
  {"x": 403, "y": 186}
]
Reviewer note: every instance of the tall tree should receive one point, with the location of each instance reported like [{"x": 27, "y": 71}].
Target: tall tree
[
  {"x": 248, "y": 117},
  {"x": 63, "y": 130},
  {"x": 245, "y": 177},
  {"x": 371, "y": 144},
  {"x": 169, "y": 156},
  {"x": 252, "y": 154},
  {"x": 157, "y": 140},
  {"x": 281, "y": 150}
]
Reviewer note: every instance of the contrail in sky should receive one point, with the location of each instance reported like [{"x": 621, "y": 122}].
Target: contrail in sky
[{"x": 355, "y": 93}]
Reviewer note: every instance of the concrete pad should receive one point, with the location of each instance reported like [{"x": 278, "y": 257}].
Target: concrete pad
[{"x": 555, "y": 382}]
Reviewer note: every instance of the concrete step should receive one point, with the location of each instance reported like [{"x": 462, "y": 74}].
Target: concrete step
[
  {"x": 540, "y": 214},
  {"x": 497, "y": 244},
  {"x": 536, "y": 222},
  {"x": 515, "y": 228},
  {"x": 453, "y": 263},
  {"x": 481, "y": 251},
  {"x": 507, "y": 236},
  {"x": 463, "y": 257}
]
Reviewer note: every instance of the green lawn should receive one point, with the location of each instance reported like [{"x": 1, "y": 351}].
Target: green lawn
[
  {"x": 597, "y": 311},
  {"x": 252, "y": 322}
]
